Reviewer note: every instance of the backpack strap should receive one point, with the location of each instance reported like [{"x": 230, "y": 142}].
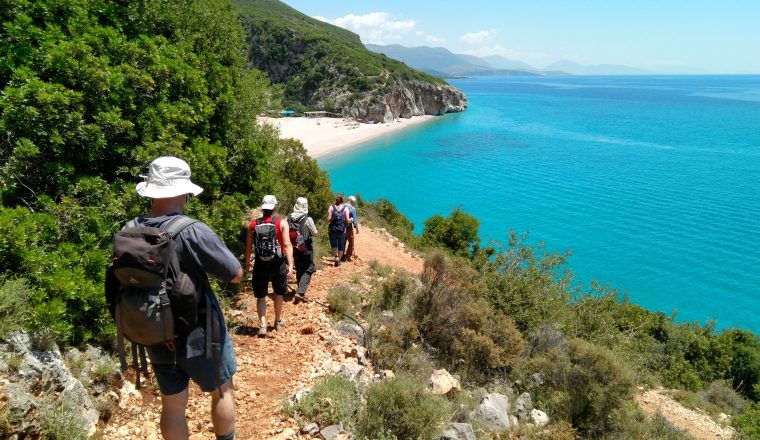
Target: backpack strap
[{"x": 178, "y": 224}]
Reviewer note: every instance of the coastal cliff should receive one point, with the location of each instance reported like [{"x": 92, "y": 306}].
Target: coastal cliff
[
  {"x": 406, "y": 99},
  {"x": 324, "y": 67}
]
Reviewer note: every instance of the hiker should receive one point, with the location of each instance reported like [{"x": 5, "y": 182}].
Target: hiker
[
  {"x": 200, "y": 252},
  {"x": 302, "y": 228},
  {"x": 273, "y": 261},
  {"x": 337, "y": 219},
  {"x": 353, "y": 225}
]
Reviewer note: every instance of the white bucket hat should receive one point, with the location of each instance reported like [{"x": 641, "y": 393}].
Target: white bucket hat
[
  {"x": 269, "y": 202},
  {"x": 167, "y": 177}
]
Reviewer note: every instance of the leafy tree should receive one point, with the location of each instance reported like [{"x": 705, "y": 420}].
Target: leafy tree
[{"x": 458, "y": 232}]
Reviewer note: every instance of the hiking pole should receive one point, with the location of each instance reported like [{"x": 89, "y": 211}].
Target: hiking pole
[{"x": 367, "y": 338}]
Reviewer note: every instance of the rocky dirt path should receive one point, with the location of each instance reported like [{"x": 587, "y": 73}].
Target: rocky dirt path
[
  {"x": 275, "y": 367},
  {"x": 697, "y": 423}
]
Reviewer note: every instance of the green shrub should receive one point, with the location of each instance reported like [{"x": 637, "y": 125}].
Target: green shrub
[
  {"x": 394, "y": 290},
  {"x": 457, "y": 233},
  {"x": 584, "y": 384},
  {"x": 15, "y": 307},
  {"x": 59, "y": 422},
  {"x": 748, "y": 423},
  {"x": 380, "y": 269},
  {"x": 745, "y": 362},
  {"x": 629, "y": 422},
  {"x": 720, "y": 394},
  {"x": 343, "y": 300},
  {"x": 332, "y": 400},
  {"x": 402, "y": 407}
]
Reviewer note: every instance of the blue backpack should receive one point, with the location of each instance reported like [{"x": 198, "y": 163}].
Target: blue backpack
[{"x": 338, "y": 223}]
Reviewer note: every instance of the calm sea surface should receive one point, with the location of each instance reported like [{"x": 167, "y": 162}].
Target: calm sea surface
[{"x": 652, "y": 182}]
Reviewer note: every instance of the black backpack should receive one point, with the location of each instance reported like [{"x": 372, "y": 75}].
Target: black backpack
[
  {"x": 265, "y": 243},
  {"x": 297, "y": 233},
  {"x": 338, "y": 223},
  {"x": 149, "y": 297}
]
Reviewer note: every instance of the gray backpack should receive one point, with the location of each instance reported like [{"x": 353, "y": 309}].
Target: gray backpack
[{"x": 148, "y": 295}]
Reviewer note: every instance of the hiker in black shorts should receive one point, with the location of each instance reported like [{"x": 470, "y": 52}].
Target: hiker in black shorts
[
  {"x": 201, "y": 253},
  {"x": 267, "y": 238},
  {"x": 302, "y": 228},
  {"x": 337, "y": 219}
]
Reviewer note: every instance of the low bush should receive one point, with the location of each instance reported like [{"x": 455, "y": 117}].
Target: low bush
[
  {"x": 15, "y": 306},
  {"x": 380, "y": 269},
  {"x": 343, "y": 300},
  {"x": 394, "y": 290},
  {"x": 748, "y": 423},
  {"x": 59, "y": 422},
  {"x": 457, "y": 233},
  {"x": 332, "y": 400},
  {"x": 720, "y": 394},
  {"x": 584, "y": 384},
  {"x": 402, "y": 408},
  {"x": 629, "y": 422}
]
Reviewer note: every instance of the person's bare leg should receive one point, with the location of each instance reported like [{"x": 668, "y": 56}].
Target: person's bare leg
[
  {"x": 223, "y": 410},
  {"x": 261, "y": 306},
  {"x": 173, "y": 422},
  {"x": 277, "y": 307}
]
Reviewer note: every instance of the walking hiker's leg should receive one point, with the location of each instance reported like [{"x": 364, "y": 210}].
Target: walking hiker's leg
[
  {"x": 277, "y": 307},
  {"x": 223, "y": 411},
  {"x": 349, "y": 244},
  {"x": 261, "y": 306},
  {"x": 173, "y": 422}
]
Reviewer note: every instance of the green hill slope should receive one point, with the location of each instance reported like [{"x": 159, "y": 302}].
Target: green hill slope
[{"x": 326, "y": 67}]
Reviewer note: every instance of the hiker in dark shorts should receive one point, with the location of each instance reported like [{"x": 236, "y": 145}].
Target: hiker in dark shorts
[
  {"x": 337, "y": 219},
  {"x": 201, "y": 252},
  {"x": 351, "y": 228},
  {"x": 268, "y": 239},
  {"x": 304, "y": 259}
]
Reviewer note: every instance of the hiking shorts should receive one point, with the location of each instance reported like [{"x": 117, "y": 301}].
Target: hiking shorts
[
  {"x": 174, "y": 378},
  {"x": 338, "y": 240},
  {"x": 275, "y": 272}
]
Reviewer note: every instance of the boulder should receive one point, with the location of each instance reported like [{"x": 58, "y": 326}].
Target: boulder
[
  {"x": 539, "y": 418},
  {"x": 523, "y": 405},
  {"x": 351, "y": 371},
  {"x": 458, "y": 431},
  {"x": 335, "y": 432},
  {"x": 493, "y": 412},
  {"x": 441, "y": 382},
  {"x": 350, "y": 330},
  {"x": 311, "y": 429}
]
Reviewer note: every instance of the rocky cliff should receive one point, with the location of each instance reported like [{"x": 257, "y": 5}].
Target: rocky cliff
[{"x": 406, "y": 99}]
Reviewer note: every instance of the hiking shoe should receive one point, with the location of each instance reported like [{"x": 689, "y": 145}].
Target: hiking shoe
[
  {"x": 280, "y": 323},
  {"x": 300, "y": 297},
  {"x": 262, "y": 331},
  {"x": 337, "y": 262}
]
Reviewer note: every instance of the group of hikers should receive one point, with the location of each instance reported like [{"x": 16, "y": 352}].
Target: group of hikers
[
  {"x": 281, "y": 245},
  {"x": 158, "y": 290}
]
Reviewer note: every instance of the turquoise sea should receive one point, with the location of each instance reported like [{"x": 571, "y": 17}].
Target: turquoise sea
[{"x": 653, "y": 182}]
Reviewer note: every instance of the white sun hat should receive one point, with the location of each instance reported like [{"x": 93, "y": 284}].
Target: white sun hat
[
  {"x": 269, "y": 202},
  {"x": 167, "y": 177}
]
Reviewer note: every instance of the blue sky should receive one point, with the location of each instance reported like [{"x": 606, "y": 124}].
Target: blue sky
[{"x": 703, "y": 36}]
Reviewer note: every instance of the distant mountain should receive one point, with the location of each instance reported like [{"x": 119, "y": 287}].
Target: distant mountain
[
  {"x": 439, "y": 59},
  {"x": 595, "y": 69},
  {"x": 500, "y": 62}
]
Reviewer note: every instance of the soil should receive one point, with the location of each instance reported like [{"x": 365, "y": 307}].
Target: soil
[
  {"x": 273, "y": 368},
  {"x": 696, "y": 423}
]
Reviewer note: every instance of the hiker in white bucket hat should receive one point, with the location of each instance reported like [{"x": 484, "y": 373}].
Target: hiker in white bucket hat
[
  {"x": 167, "y": 177},
  {"x": 205, "y": 255}
]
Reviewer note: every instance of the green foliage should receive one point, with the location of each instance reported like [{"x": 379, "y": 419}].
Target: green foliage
[
  {"x": 299, "y": 175},
  {"x": 15, "y": 307},
  {"x": 332, "y": 400},
  {"x": 59, "y": 422},
  {"x": 457, "y": 232},
  {"x": 745, "y": 362},
  {"x": 383, "y": 214},
  {"x": 748, "y": 423},
  {"x": 394, "y": 290},
  {"x": 628, "y": 422},
  {"x": 402, "y": 408},
  {"x": 526, "y": 283},
  {"x": 343, "y": 300},
  {"x": 585, "y": 384},
  {"x": 90, "y": 92}
]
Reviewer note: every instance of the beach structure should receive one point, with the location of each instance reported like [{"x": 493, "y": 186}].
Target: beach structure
[{"x": 322, "y": 114}]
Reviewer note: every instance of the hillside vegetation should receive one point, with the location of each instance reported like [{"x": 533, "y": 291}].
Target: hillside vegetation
[{"x": 321, "y": 66}]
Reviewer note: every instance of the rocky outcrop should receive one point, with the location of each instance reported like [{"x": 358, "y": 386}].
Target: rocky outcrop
[{"x": 406, "y": 99}]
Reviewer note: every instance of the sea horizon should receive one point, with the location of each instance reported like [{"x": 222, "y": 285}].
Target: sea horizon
[{"x": 650, "y": 180}]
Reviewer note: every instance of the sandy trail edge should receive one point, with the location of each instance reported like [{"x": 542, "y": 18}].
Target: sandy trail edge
[
  {"x": 697, "y": 423},
  {"x": 273, "y": 368}
]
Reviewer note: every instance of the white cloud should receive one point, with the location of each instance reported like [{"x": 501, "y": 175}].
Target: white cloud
[
  {"x": 477, "y": 37},
  {"x": 375, "y": 27},
  {"x": 434, "y": 40}
]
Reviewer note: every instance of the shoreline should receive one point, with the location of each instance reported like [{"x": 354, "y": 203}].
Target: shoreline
[{"x": 323, "y": 136}]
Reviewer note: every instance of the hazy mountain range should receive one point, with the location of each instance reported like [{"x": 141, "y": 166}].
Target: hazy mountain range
[{"x": 440, "y": 61}]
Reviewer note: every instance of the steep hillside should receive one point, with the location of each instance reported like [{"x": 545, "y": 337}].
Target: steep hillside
[{"x": 325, "y": 67}]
